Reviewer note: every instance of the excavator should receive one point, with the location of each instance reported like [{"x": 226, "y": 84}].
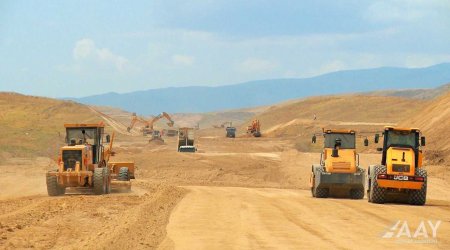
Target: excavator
[
  {"x": 148, "y": 125},
  {"x": 254, "y": 129}
]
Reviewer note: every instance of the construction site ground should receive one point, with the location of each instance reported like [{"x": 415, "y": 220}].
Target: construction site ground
[{"x": 243, "y": 193}]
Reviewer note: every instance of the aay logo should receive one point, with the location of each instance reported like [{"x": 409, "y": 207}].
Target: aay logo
[{"x": 426, "y": 232}]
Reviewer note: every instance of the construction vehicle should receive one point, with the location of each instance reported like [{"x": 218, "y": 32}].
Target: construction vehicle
[
  {"x": 254, "y": 129},
  {"x": 148, "y": 125},
  {"x": 231, "y": 132},
  {"x": 400, "y": 176},
  {"x": 84, "y": 162},
  {"x": 186, "y": 140},
  {"x": 171, "y": 132},
  {"x": 156, "y": 135},
  {"x": 338, "y": 173}
]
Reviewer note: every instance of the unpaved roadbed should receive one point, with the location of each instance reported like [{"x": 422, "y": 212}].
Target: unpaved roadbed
[
  {"x": 266, "y": 218},
  {"x": 120, "y": 221}
]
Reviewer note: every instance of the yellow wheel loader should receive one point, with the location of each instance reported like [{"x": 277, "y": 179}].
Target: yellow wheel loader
[
  {"x": 84, "y": 162},
  {"x": 338, "y": 173},
  {"x": 400, "y": 176}
]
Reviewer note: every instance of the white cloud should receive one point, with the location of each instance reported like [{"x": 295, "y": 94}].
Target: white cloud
[
  {"x": 256, "y": 65},
  {"x": 106, "y": 55},
  {"x": 85, "y": 49},
  {"x": 183, "y": 60}
]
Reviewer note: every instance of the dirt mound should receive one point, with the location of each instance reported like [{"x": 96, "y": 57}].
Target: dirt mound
[
  {"x": 434, "y": 121},
  {"x": 33, "y": 126}
]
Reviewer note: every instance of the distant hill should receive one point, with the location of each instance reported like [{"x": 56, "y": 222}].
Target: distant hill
[
  {"x": 266, "y": 92},
  {"x": 426, "y": 94}
]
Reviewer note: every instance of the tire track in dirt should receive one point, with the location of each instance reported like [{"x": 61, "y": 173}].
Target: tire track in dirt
[
  {"x": 266, "y": 218},
  {"x": 134, "y": 220}
]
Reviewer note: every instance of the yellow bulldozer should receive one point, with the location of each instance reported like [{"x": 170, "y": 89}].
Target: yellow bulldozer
[
  {"x": 84, "y": 162},
  {"x": 400, "y": 176},
  {"x": 338, "y": 173}
]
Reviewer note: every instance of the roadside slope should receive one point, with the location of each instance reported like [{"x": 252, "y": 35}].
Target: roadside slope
[
  {"x": 296, "y": 117},
  {"x": 33, "y": 126},
  {"x": 434, "y": 121}
]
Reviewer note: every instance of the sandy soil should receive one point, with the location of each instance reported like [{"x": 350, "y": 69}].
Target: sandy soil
[{"x": 243, "y": 193}]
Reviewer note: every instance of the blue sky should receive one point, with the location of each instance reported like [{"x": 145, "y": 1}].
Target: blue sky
[{"x": 79, "y": 48}]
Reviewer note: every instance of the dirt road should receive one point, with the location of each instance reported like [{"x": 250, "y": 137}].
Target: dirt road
[
  {"x": 242, "y": 193},
  {"x": 266, "y": 218}
]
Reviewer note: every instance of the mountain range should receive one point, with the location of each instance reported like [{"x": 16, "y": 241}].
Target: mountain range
[{"x": 266, "y": 92}]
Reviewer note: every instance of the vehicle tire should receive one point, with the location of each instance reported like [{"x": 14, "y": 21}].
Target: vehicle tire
[
  {"x": 369, "y": 181},
  {"x": 320, "y": 192},
  {"x": 419, "y": 197},
  {"x": 123, "y": 174},
  {"x": 108, "y": 180},
  {"x": 53, "y": 188},
  {"x": 100, "y": 182},
  {"x": 357, "y": 193},
  {"x": 377, "y": 194},
  {"x": 313, "y": 183}
]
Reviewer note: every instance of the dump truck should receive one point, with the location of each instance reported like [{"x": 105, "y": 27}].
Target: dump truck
[
  {"x": 231, "y": 132},
  {"x": 338, "y": 173},
  {"x": 400, "y": 177},
  {"x": 254, "y": 129},
  {"x": 186, "y": 140},
  {"x": 84, "y": 162}
]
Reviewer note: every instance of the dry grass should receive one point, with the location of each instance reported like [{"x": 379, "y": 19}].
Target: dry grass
[{"x": 33, "y": 126}]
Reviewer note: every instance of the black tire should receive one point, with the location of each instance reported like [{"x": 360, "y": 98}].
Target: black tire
[
  {"x": 100, "y": 182},
  {"x": 369, "y": 181},
  {"x": 357, "y": 193},
  {"x": 320, "y": 192},
  {"x": 123, "y": 174},
  {"x": 377, "y": 194},
  {"x": 313, "y": 176},
  {"x": 108, "y": 180},
  {"x": 53, "y": 188},
  {"x": 419, "y": 197}
]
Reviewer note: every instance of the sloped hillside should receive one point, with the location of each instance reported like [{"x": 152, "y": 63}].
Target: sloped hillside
[
  {"x": 33, "y": 126},
  {"x": 353, "y": 111},
  {"x": 434, "y": 121}
]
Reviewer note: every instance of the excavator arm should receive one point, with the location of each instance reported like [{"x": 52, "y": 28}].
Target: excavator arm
[
  {"x": 160, "y": 116},
  {"x": 136, "y": 119},
  {"x": 167, "y": 116}
]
